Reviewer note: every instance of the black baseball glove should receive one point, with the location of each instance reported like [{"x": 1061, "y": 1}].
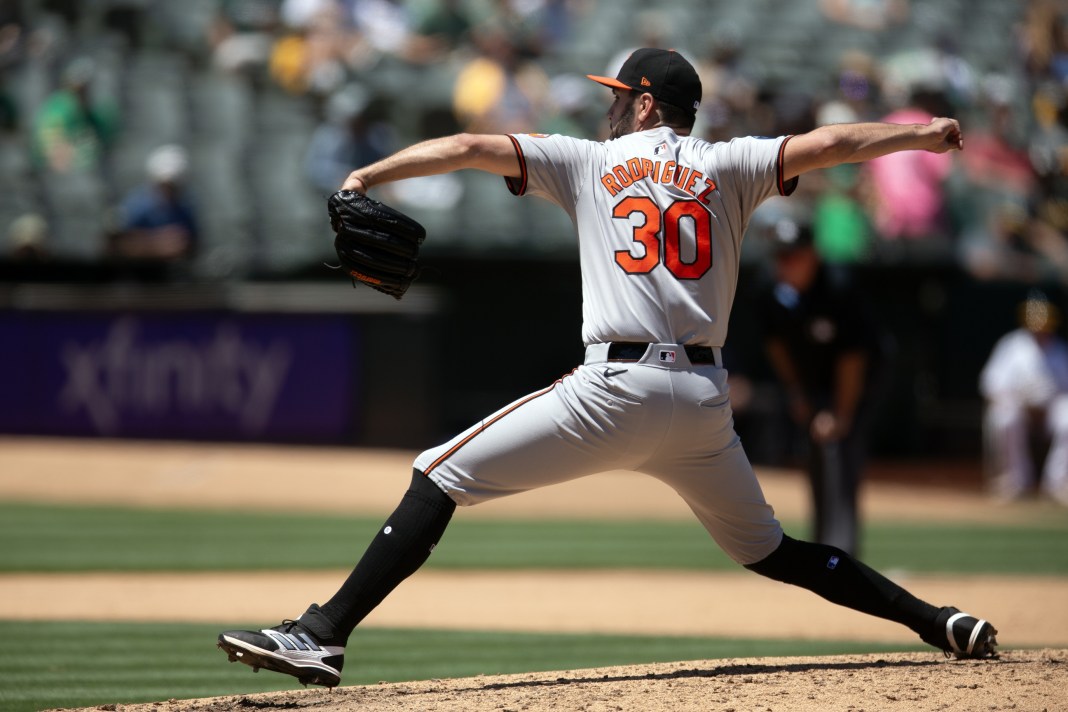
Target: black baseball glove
[{"x": 376, "y": 244}]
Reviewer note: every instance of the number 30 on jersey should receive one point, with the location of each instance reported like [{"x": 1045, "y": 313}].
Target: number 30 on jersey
[{"x": 662, "y": 229}]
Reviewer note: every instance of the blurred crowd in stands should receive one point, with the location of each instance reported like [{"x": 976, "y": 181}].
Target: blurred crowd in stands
[{"x": 201, "y": 131}]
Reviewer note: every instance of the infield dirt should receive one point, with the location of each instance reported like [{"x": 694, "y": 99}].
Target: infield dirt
[{"x": 1031, "y": 680}]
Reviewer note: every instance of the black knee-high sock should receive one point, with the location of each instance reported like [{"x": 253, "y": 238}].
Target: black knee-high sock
[
  {"x": 401, "y": 546},
  {"x": 835, "y": 575}
]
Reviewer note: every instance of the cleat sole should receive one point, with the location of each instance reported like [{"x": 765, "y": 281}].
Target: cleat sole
[{"x": 258, "y": 660}]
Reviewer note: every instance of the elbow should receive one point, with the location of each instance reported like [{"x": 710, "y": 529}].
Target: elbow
[
  {"x": 466, "y": 142},
  {"x": 469, "y": 147},
  {"x": 487, "y": 152},
  {"x": 462, "y": 150}
]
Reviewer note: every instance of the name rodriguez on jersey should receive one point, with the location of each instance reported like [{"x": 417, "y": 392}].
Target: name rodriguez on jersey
[{"x": 683, "y": 177}]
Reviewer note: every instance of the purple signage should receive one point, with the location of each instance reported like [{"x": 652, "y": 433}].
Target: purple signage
[{"x": 200, "y": 375}]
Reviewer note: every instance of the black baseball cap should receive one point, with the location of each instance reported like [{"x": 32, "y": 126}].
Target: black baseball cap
[{"x": 664, "y": 73}]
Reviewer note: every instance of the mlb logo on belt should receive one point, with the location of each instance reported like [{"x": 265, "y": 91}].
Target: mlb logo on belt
[{"x": 667, "y": 356}]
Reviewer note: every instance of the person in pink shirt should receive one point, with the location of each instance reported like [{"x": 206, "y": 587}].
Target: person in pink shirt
[{"x": 907, "y": 194}]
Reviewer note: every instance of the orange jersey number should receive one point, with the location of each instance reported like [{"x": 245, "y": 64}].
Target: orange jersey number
[{"x": 648, "y": 235}]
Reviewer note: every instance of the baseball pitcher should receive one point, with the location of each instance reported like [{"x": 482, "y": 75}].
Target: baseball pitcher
[{"x": 660, "y": 217}]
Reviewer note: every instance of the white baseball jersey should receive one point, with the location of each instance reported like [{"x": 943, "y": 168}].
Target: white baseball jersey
[
  {"x": 1023, "y": 374},
  {"x": 660, "y": 219},
  {"x": 1023, "y": 370}
]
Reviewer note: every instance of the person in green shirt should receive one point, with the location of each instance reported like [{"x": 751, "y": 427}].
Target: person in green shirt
[
  {"x": 71, "y": 133},
  {"x": 841, "y": 227}
]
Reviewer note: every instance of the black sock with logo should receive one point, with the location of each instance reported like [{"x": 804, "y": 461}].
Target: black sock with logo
[
  {"x": 835, "y": 575},
  {"x": 401, "y": 546}
]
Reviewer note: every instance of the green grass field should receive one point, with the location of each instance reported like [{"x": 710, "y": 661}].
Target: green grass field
[
  {"x": 62, "y": 538},
  {"x": 49, "y": 664}
]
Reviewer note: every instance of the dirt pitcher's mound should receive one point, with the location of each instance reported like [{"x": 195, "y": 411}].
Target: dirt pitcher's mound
[{"x": 1022, "y": 680}]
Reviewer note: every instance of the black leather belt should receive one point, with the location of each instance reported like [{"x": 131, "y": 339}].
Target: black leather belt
[{"x": 634, "y": 350}]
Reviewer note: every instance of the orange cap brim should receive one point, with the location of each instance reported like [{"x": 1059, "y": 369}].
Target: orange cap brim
[{"x": 608, "y": 82}]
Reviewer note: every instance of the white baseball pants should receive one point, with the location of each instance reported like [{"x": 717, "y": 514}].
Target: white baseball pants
[{"x": 661, "y": 416}]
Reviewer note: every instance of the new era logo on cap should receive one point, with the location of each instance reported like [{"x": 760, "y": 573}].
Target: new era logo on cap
[{"x": 664, "y": 73}]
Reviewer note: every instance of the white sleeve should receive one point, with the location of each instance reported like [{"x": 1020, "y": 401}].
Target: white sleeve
[
  {"x": 551, "y": 167},
  {"x": 1015, "y": 371},
  {"x": 753, "y": 169},
  {"x": 992, "y": 379}
]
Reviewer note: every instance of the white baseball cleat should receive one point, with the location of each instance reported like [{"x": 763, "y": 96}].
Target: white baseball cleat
[
  {"x": 292, "y": 648},
  {"x": 962, "y": 635}
]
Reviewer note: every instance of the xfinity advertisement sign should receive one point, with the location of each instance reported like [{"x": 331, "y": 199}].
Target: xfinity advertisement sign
[{"x": 223, "y": 376}]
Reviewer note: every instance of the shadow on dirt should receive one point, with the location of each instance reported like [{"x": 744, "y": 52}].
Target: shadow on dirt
[{"x": 724, "y": 671}]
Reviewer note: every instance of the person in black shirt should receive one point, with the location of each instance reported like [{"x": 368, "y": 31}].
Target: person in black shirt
[{"x": 831, "y": 357}]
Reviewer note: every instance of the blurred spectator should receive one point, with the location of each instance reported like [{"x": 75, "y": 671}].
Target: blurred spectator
[
  {"x": 908, "y": 200},
  {"x": 288, "y": 64},
  {"x": 936, "y": 67},
  {"x": 1049, "y": 156},
  {"x": 793, "y": 111},
  {"x": 312, "y": 54},
  {"x": 72, "y": 133},
  {"x": 241, "y": 35},
  {"x": 1025, "y": 384},
  {"x": 832, "y": 358},
  {"x": 858, "y": 85},
  {"x": 1044, "y": 39},
  {"x": 515, "y": 20},
  {"x": 870, "y": 15},
  {"x": 157, "y": 220},
  {"x": 347, "y": 138},
  {"x": 567, "y": 107},
  {"x": 1008, "y": 244},
  {"x": 499, "y": 91},
  {"x": 1003, "y": 236},
  {"x": 384, "y": 24},
  {"x": 556, "y": 21},
  {"x": 312, "y": 48},
  {"x": 1058, "y": 65},
  {"x": 839, "y": 222},
  {"x": 542, "y": 27},
  {"x": 301, "y": 13},
  {"x": 730, "y": 92},
  {"x": 996, "y": 160},
  {"x": 445, "y": 28},
  {"x": 72, "y": 136},
  {"x": 27, "y": 239}
]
